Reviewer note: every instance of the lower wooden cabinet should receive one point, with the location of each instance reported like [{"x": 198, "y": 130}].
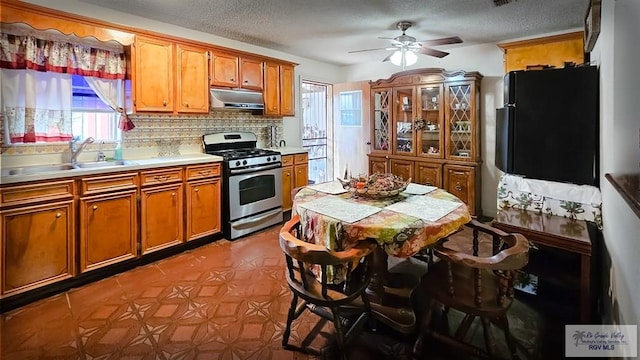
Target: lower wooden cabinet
[
  {"x": 459, "y": 180},
  {"x": 161, "y": 208},
  {"x": 108, "y": 219},
  {"x": 203, "y": 211},
  {"x": 295, "y": 173}
]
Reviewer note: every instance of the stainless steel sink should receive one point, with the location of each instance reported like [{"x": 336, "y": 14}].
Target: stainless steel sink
[
  {"x": 30, "y": 170},
  {"x": 101, "y": 164}
]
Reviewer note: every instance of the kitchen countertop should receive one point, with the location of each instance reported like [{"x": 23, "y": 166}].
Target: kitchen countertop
[{"x": 130, "y": 165}]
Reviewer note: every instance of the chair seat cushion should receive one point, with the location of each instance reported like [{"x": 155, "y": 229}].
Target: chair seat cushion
[{"x": 436, "y": 284}]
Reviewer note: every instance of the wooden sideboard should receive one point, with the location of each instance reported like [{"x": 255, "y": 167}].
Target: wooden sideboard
[{"x": 572, "y": 238}]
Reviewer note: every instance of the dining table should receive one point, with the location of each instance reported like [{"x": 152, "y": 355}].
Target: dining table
[{"x": 402, "y": 225}]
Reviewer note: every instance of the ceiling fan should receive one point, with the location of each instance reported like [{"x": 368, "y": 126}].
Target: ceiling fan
[{"x": 406, "y": 46}]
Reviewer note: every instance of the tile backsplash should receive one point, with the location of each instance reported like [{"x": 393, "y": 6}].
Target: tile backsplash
[{"x": 165, "y": 135}]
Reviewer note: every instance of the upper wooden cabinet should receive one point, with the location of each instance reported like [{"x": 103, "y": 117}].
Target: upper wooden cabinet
[
  {"x": 192, "y": 79},
  {"x": 278, "y": 90},
  {"x": 550, "y": 50},
  {"x": 154, "y": 74},
  {"x": 229, "y": 70},
  {"x": 158, "y": 65}
]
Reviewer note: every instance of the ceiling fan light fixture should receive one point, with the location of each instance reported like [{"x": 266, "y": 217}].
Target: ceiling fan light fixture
[{"x": 403, "y": 58}]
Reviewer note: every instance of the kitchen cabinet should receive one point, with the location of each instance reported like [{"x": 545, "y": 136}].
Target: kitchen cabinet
[
  {"x": 203, "y": 189},
  {"x": 546, "y": 51},
  {"x": 107, "y": 220},
  {"x": 230, "y": 70},
  {"x": 461, "y": 182},
  {"x": 425, "y": 120},
  {"x": 38, "y": 235},
  {"x": 278, "y": 89},
  {"x": 170, "y": 77},
  {"x": 154, "y": 75},
  {"x": 161, "y": 209},
  {"x": 192, "y": 80},
  {"x": 295, "y": 173}
]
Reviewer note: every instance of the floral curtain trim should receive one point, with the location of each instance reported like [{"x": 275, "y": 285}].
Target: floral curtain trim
[
  {"x": 577, "y": 202},
  {"x": 27, "y": 125},
  {"x": 30, "y": 52}
]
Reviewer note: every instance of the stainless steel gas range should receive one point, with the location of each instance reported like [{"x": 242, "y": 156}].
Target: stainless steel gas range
[{"x": 252, "y": 183}]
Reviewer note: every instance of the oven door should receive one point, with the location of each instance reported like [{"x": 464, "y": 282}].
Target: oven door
[{"x": 254, "y": 190}]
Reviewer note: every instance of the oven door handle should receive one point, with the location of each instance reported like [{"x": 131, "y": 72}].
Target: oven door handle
[
  {"x": 249, "y": 222},
  {"x": 255, "y": 169}
]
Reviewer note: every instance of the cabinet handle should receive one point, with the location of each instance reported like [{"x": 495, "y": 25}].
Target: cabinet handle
[
  {"x": 164, "y": 102},
  {"x": 204, "y": 172},
  {"x": 186, "y": 105},
  {"x": 58, "y": 215},
  {"x": 173, "y": 194},
  {"x": 232, "y": 80},
  {"x": 246, "y": 81},
  {"x": 196, "y": 190},
  {"x": 458, "y": 187},
  {"x": 161, "y": 178},
  {"x": 275, "y": 108},
  {"x": 457, "y": 173},
  {"x": 95, "y": 207}
]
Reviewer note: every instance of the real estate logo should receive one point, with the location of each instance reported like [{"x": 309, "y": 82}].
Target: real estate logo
[{"x": 601, "y": 341}]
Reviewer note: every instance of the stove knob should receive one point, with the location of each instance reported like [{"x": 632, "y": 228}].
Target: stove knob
[
  {"x": 244, "y": 162},
  {"x": 268, "y": 158},
  {"x": 238, "y": 163}
]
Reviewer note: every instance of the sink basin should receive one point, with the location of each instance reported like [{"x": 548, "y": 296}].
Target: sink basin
[
  {"x": 101, "y": 164},
  {"x": 30, "y": 170}
]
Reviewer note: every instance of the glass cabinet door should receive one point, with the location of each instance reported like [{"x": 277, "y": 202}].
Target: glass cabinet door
[
  {"x": 403, "y": 121},
  {"x": 459, "y": 120},
  {"x": 430, "y": 119},
  {"x": 381, "y": 120}
]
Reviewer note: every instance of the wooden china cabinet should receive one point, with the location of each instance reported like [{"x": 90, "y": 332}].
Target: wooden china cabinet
[{"x": 426, "y": 126}]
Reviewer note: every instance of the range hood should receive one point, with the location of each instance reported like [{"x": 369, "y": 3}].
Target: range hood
[{"x": 236, "y": 99}]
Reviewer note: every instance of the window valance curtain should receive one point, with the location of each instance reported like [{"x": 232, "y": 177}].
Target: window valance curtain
[{"x": 37, "y": 107}]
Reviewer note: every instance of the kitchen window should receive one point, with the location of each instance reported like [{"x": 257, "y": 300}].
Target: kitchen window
[{"x": 90, "y": 116}]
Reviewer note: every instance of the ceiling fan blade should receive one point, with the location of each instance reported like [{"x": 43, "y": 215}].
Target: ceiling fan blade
[
  {"x": 357, "y": 51},
  {"x": 443, "y": 41},
  {"x": 388, "y": 57},
  {"x": 433, "y": 52}
]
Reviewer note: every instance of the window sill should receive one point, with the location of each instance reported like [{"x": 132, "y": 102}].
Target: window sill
[{"x": 628, "y": 185}]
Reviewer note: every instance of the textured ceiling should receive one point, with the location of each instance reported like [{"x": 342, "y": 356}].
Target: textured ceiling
[{"x": 326, "y": 30}]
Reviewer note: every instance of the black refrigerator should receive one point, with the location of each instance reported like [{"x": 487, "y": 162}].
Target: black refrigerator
[{"x": 548, "y": 127}]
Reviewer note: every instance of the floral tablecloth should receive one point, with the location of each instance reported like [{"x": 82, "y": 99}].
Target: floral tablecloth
[{"x": 399, "y": 234}]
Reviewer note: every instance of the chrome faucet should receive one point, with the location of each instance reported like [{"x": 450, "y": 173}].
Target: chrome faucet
[
  {"x": 101, "y": 155},
  {"x": 76, "y": 150}
]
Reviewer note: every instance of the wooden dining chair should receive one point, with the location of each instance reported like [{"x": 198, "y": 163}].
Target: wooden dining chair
[
  {"x": 476, "y": 276},
  {"x": 308, "y": 279}
]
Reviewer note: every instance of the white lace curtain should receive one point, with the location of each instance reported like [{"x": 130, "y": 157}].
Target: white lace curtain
[{"x": 36, "y": 80}]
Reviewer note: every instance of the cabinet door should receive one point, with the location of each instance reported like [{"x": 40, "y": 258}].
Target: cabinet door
[
  {"x": 108, "y": 226},
  {"x": 378, "y": 165},
  {"x": 154, "y": 69},
  {"x": 381, "y": 127},
  {"x": 461, "y": 116},
  {"x": 193, "y": 80},
  {"x": 224, "y": 70},
  {"x": 429, "y": 174},
  {"x": 161, "y": 217},
  {"x": 430, "y": 133},
  {"x": 404, "y": 141},
  {"x": 459, "y": 181},
  {"x": 287, "y": 186},
  {"x": 271, "y": 89},
  {"x": 301, "y": 177},
  {"x": 251, "y": 74},
  {"x": 402, "y": 168},
  {"x": 203, "y": 208},
  {"x": 38, "y": 246},
  {"x": 287, "y": 86}
]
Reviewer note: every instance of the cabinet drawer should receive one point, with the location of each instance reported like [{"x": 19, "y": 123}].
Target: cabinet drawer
[
  {"x": 301, "y": 158},
  {"x": 33, "y": 193},
  {"x": 203, "y": 171},
  {"x": 287, "y": 160},
  {"x": 161, "y": 176},
  {"x": 104, "y": 183}
]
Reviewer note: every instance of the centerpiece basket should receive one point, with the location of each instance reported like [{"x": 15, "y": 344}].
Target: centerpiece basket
[{"x": 375, "y": 186}]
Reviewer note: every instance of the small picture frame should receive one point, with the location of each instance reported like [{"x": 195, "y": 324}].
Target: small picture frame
[{"x": 592, "y": 25}]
